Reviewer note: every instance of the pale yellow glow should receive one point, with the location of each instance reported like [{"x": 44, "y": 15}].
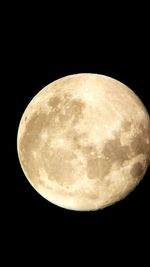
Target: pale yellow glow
[{"x": 84, "y": 141}]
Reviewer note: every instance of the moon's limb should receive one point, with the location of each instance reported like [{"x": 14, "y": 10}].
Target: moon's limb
[{"x": 84, "y": 141}]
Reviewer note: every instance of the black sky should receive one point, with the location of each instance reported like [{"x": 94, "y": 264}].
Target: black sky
[{"x": 37, "y": 55}]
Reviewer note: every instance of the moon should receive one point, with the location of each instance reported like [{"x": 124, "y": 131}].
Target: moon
[{"x": 84, "y": 141}]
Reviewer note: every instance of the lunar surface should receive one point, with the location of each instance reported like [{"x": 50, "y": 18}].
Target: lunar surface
[{"x": 84, "y": 141}]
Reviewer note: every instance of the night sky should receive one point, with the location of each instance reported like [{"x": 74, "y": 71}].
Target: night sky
[{"x": 36, "y": 58}]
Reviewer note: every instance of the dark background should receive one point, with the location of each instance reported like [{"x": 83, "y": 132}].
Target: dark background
[{"x": 39, "y": 51}]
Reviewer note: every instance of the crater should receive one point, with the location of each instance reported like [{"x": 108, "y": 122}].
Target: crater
[
  {"x": 54, "y": 101},
  {"x": 57, "y": 163},
  {"x": 91, "y": 195},
  {"x": 126, "y": 125},
  {"x": 31, "y": 136},
  {"x": 89, "y": 150},
  {"x": 139, "y": 145},
  {"x": 114, "y": 151},
  {"x": 137, "y": 170},
  {"x": 98, "y": 168},
  {"x": 75, "y": 138},
  {"x": 66, "y": 109},
  {"x": 75, "y": 110},
  {"x": 30, "y": 141}
]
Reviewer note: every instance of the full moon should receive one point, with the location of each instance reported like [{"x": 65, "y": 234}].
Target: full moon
[{"x": 84, "y": 141}]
